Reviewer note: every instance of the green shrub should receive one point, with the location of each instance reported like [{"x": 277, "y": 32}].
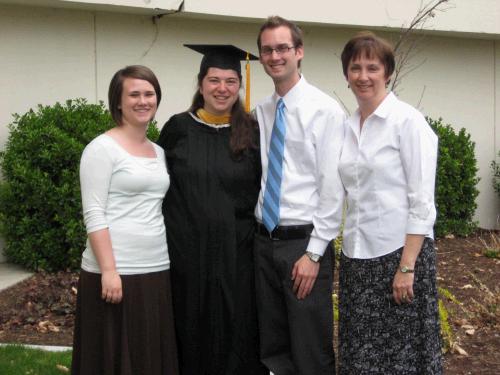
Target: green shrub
[
  {"x": 40, "y": 205},
  {"x": 495, "y": 168},
  {"x": 456, "y": 181}
]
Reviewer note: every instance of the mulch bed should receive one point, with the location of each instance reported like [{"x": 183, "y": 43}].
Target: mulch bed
[
  {"x": 40, "y": 309},
  {"x": 474, "y": 307}
]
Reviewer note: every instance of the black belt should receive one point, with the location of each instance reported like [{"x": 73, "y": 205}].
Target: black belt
[{"x": 289, "y": 232}]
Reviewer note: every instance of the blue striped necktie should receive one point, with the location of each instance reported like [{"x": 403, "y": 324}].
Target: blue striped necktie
[{"x": 271, "y": 205}]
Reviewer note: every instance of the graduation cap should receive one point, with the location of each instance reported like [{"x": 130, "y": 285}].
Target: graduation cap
[{"x": 225, "y": 56}]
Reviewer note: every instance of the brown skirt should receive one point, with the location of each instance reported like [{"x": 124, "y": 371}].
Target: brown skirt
[{"x": 134, "y": 337}]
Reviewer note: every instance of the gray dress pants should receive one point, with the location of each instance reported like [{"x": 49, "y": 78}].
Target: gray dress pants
[{"x": 296, "y": 336}]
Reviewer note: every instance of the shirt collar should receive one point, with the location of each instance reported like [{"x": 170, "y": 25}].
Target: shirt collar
[
  {"x": 384, "y": 108},
  {"x": 293, "y": 96}
]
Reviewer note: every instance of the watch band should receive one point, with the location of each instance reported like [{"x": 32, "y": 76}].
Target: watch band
[
  {"x": 406, "y": 269},
  {"x": 314, "y": 257}
]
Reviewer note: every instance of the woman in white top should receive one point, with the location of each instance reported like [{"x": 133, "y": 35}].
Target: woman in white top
[
  {"x": 389, "y": 321},
  {"x": 124, "y": 319}
]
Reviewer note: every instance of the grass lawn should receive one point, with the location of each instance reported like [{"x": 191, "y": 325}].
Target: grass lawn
[{"x": 16, "y": 360}]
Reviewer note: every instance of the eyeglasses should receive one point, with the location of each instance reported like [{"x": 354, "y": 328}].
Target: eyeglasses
[{"x": 280, "y": 49}]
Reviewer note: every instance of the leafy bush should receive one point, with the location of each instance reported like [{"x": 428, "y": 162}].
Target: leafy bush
[
  {"x": 456, "y": 180},
  {"x": 40, "y": 205},
  {"x": 495, "y": 167}
]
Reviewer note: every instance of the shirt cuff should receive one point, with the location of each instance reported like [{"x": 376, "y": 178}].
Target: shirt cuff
[
  {"x": 95, "y": 228},
  {"x": 317, "y": 246},
  {"x": 418, "y": 228}
]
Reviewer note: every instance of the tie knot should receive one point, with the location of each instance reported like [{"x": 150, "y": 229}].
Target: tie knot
[{"x": 281, "y": 104}]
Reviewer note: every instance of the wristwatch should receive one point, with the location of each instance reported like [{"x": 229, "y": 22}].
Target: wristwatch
[
  {"x": 314, "y": 257},
  {"x": 406, "y": 269}
]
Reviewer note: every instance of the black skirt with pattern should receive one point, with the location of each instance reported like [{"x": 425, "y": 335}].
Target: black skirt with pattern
[{"x": 377, "y": 336}]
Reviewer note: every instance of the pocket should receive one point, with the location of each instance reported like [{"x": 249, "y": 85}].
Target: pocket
[{"x": 300, "y": 156}]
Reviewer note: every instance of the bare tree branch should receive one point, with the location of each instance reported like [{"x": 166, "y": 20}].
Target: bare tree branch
[
  {"x": 406, "y": 47},
  {"x": 339, "y": 99},
  {"x": 421, "y": 97}
]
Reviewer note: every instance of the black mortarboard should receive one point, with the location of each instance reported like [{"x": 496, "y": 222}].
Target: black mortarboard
[
  {"x": 222, "y": 56},
  {"x": 225, "y": 56}
]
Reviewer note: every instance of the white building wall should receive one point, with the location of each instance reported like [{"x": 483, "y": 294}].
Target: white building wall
[
  {"x": 496, "y": 116},
  {"x": 121, "y": 6},
  {"x": 50, "y": 55},
  {"x": 459, "y": 86},
  {"x": 47, "y": 55},
  {"x": 469, "y": 16},
  {"x": 466, "y": 16}
]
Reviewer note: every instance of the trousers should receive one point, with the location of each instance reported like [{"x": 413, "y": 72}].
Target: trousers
[{"x": 296, "y": 336}]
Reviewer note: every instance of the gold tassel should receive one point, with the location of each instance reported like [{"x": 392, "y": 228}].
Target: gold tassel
[{"x": 247, "y": 84}]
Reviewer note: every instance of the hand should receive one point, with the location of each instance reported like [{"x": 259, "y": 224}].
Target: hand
[
  {"x": 402, "y": 287},
  {"x": 111, "y": 287},
  {"x": 304, "y": 275}
]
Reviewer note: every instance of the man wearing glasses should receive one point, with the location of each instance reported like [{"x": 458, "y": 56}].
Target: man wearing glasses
[{"x": 298, "y": 212}]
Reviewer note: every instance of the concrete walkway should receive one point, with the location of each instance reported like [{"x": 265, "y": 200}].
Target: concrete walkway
[
  {"x": 11, "y": 274},
  {"x": 48, "y": 348}
]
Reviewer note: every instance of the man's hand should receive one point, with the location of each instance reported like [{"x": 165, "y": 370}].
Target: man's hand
[{"x": 304, "y": 275}]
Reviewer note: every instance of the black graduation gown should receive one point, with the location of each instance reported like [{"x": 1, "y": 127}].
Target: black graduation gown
[{"x": 209, "y": 215}]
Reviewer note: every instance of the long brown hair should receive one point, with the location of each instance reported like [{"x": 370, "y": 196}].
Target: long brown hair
[{"x": 243, "y": 126}]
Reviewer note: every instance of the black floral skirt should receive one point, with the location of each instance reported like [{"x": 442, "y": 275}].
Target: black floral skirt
[{"x": 377, "y": 336}]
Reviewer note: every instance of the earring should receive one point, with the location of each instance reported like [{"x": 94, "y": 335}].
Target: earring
[{"x": 348, "y": 86}]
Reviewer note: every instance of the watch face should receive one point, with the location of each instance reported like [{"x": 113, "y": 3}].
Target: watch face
[
  {"x": 404, "y": 269},
  {"x": 314, "y": 257}
]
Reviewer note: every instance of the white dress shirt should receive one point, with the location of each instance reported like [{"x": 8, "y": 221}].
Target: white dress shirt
[
  {"x": 124, "y": 193},
  {"x": 311, "y": 191},
  {"x": 388, "y": 170}
]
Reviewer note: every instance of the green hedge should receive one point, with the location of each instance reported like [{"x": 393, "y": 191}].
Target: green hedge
[
  {"x": 40, "y": 205},
  {"x": 456, "y": 181}
]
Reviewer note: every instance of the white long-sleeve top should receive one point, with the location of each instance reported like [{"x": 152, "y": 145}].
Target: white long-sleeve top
[
  {"x": 124, "y": 193},
  {"x": 388, "y": 170},
  {"x": 311, "y": 191}
]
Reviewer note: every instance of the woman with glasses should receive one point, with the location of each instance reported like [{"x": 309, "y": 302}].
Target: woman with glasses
[
  {"x": 213, "y": 160},
  {"x": 388, "y": 302}
]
